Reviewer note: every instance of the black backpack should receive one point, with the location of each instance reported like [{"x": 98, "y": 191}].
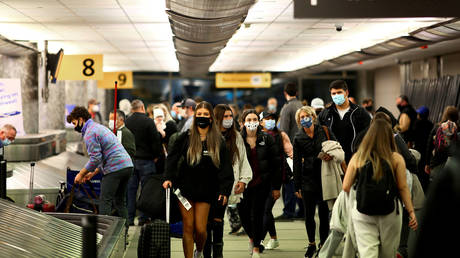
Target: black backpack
[{"x": 375, "y": 197}]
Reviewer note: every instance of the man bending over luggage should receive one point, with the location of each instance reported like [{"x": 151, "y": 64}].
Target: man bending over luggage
[{"x": 106, "y": 155}]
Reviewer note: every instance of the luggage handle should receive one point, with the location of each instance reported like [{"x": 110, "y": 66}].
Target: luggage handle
[
  {"x": 168, "y": 203},
  {"x": 70, "y": 200}
]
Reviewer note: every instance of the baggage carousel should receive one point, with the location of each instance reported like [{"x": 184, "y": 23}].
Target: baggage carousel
[{"x": 28, "y": 233}]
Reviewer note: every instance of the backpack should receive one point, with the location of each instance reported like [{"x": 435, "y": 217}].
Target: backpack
[
  {"x": 375, "y": 197},
  {"x": 445, "y": 135}
]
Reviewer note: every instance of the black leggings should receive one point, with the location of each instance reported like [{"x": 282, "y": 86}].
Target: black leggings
[
  {"x": 269, "y": 221},
  {"x": 310, "y": 200},
  {"x": 251, "y": 210}
]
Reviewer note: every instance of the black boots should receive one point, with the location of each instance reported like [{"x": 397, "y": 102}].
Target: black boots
[{"x": 214, "y": 242}]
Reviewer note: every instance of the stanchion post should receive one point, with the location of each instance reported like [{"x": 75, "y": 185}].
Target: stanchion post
[{"x": 89, "y": 248}]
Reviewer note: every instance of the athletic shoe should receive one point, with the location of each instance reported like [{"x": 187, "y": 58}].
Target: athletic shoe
[
  {"x": 272, "y": 244},
  {"x": 255, "y": 255},
  {"x": 197, "y": 254},
  {"x": 250, "y": 247},
  {"x": 310, "y": 251},
  {"x": 284, "y": 217}
]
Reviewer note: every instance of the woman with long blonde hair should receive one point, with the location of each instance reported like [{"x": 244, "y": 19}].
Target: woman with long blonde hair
[
  {"x": 199, "y": 165},
  {"x": 378, "y": 234}
]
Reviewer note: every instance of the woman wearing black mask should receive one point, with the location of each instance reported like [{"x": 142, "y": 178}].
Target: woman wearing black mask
[
  {"x": 307, "y": 173},
  {"x": 264, "y": 158},
  {"x": 242, "y": 173},
  {"x": 199, "y": 166}
]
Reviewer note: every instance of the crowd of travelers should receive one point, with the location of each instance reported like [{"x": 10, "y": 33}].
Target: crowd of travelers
[{"x": 363, "y": 170}]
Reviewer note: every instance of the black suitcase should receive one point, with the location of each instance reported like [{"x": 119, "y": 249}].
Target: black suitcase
[{"x": 155, "y": 237}]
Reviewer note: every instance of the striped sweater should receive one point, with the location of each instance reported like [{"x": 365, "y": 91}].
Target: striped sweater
[{"x": 104, "y": 149}]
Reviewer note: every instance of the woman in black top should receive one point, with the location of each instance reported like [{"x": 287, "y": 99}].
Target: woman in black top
[
  {"x": 307, "y": 173},
  {"x": 199, "y": 166},
  {"x": 264, "y": 158},
  {"x": 166, "y": 127}
]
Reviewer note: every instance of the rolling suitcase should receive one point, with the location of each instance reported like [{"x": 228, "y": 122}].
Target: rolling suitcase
[
  {"x": 155, "y": 237},
  {"x": 39, "y": 202}
]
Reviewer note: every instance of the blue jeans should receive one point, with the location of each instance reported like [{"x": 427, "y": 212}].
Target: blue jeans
[
  {"x": 290, "y": 201},
  {"x": 142, "y": 170}
]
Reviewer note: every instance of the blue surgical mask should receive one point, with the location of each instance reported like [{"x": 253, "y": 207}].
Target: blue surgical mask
[
  {"x": 173, "y": 114},
  {"x": 306, "y": 122},
  {"x": 272, "y": 108},
  {"x": 6, "y": 142},
  {"x": 338, "y": 99},
  {"x": 269, "y": 124}
]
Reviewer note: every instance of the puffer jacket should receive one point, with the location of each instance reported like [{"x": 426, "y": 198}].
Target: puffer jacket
[{"x": 268, "y": 157}]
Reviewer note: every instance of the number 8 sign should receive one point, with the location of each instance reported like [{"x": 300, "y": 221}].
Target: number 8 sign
[{"x": 81, "y": 67}]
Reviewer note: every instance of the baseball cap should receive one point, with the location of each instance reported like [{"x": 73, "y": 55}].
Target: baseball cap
[
  {"x": 188, "y": 103},
  {"x": 265, "y": 114},
  {"x": 423, "y": 110},
  {"x": 317, "y": 103}
]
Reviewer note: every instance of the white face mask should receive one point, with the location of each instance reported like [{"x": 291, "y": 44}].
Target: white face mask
[
  {"x": 111, "y": 124},
  {"x": 252, "y": 126},
  {"x": 227, "y": 123},
  {"x": 96, "y": 108}
]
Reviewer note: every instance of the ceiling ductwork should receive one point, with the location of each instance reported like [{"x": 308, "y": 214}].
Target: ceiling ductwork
[
  {"x": 424, "y": 36},
  {"x": 210, "y": 9},
  {"x": 202, "y": 29},
  {"x": 13, "y": 48}
]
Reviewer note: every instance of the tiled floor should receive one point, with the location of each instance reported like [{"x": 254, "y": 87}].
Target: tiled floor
[{"x": 292, "y": 237}]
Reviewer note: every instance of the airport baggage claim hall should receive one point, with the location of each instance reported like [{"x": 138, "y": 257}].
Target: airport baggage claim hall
[{"x": 102, "y": 103}]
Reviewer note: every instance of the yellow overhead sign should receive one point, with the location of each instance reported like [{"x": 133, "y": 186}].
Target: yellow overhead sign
[
  {"x": 81, "y": 67},
  {"x": 124, "y": 79},
  {"x": 243, "y": 80}
]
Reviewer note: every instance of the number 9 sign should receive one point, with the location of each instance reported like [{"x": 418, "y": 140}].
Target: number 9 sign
[{"x": 124, "y": 78}]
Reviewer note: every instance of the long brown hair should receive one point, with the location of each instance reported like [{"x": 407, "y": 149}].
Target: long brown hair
[
  {"x": 450, "y": 113},
  {"x": 213, "y": 139},
  {"x": 231, "y": 133},
  {"x": 378, "y": 145}
]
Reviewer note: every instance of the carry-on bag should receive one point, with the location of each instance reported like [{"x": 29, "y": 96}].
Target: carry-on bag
[{"x": 155, "y": 237}]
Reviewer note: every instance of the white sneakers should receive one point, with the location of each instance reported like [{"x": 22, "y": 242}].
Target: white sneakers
[
  {"x": 255, "y": 255},
  {"x": 250, "y": 247},
  {"x": 197, "y": 254},
  {"x": 272, "y": 244}
]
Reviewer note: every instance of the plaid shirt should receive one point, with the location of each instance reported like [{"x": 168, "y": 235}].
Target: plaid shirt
[{"x": 104, "y": 149}]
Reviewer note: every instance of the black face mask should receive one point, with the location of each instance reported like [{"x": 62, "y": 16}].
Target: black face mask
[
  {"x": 369, "y": 108},
  {"x": 203, "y": 122},
  {"x": 78, "y": 127},
  {"x": 400, "y": 107}
]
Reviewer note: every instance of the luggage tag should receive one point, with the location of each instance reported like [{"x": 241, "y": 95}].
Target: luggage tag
[{"x": 183, "y": 200}]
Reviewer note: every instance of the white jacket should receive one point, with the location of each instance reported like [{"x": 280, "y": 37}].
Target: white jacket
[
  {"x": 241, "y": 170},
  {"x": 331, "y": 170}
]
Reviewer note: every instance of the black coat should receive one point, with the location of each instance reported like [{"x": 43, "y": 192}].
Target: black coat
[
  {"x": 356, "y": 119},
  {"x": 307, "y": 165},
  {"x": 268, "y": 157},
  {"x": 148, "y": 142}
]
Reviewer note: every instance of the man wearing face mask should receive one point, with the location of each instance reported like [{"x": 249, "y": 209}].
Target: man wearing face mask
[
  {"x": 94, "y": 110},
  {"x": 345, "y": 119},
  {"x": 367, "y": 104},
  {"x": 175, "y": 113},
  {"x": 272, "y": 106},
  {"x": 148, "y": 150},
  {"x": 406, "y": 120},
  {"x": 7, "y": 135},
  {"x": 187, "y": 112},
  {"x": 288, "y": 125},
  {"x": 124, "y": 135},
  {"x": 107, "y": 156}
]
